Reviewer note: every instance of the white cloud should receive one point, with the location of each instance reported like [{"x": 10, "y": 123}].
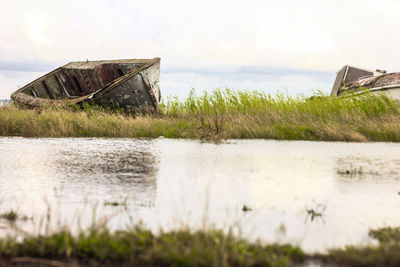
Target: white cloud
[
  {"x": 209, "y": 35},
  {"x": 10, "y": 81},
  {"x": 309, "y": 34}
]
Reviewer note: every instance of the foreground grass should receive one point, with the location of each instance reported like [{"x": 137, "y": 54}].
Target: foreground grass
[
  {"x": 223, "y": 114},
  {"x": 139, "y": 247},
  {"x": 386, "y": 253}
]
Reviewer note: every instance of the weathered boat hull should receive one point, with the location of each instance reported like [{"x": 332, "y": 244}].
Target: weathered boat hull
[
  {"x": 356, "y": 80},
  {"x": 392, "y": 92},
  {"x": 131, "y": 84}
]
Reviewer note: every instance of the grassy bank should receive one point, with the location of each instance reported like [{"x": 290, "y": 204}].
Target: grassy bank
[
  {"x": 223, "y": 114},
  {"x": 140, "y": 247},
  {"x": 386, "y": 253}
]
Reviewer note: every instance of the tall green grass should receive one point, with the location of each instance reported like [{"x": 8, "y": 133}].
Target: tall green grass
[
  {"x": 231, "y": 102},
  {"x": 221, "y": 114},
  {"x": 98, "y": 246},
  {"x": 139, "y": 247},
  {"x": 385, "y": 253}
]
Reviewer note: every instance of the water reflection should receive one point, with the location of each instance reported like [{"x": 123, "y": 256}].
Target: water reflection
[
  {"x": 313, "y": 194},
  {"x": 78, "y": 170},
  {"x": 130, "y": 166}
]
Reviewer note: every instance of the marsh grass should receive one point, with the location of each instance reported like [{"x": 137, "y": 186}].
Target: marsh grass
[
  {"x": 137, "y": 246},
  {"x": 386, "y": 253},
  {"x": 12, "y": 216},
  {"x": 58, "y": 243},
  {"x": 246, "y": 208},
  {"x": 140, "y": 247},
  {"x": 97, "y": 245},
  {"x": 115, "y": 203},
  {"x": 221, "y": 114}
]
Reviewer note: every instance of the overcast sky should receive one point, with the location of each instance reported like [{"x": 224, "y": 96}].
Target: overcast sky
[{"x": 286, "y": 46}]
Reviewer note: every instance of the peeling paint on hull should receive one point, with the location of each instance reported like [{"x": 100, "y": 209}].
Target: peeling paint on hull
[{"x": 131, "y": 84}]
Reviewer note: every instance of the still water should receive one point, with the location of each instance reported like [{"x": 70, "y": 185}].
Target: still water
[{"x": 163, "y": 183}]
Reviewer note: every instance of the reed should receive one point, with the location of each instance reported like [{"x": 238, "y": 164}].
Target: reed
[
  {"x": 140, "y": 247},
  {"x": 136, "y": 246},
  {"x": 385, "y": 253},
  {"x": 221, "y": 114}
]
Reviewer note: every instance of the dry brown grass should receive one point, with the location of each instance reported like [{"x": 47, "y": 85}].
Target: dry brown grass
[{"x": 221, "y": 115}]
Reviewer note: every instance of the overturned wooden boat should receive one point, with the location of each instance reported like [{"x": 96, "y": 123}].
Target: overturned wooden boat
[
  {"x": 351, "y": 79},
  {"x": 131, "y": 84}
]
